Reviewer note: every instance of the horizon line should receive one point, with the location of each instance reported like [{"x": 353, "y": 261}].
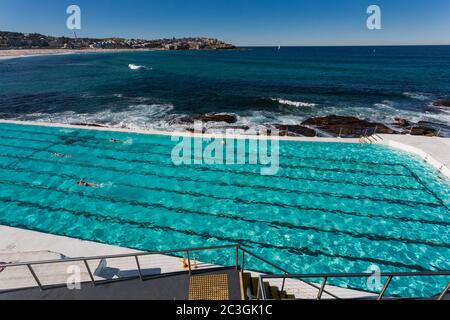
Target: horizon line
[{"x": 250, "y": 46}]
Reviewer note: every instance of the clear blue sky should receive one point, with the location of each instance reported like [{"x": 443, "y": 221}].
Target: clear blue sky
[{"x": 242, "y": 22}]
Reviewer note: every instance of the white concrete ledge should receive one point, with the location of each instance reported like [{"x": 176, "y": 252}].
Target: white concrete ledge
[
  {"x": 433, "y": 150},
  {"x": 176, "y": 133}
]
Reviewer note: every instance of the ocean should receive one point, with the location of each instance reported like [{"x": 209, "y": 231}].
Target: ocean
[{"x": 262, "y": 86}]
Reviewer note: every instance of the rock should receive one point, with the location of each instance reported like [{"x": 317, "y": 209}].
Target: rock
[
  {"x": 402, "y": 123},
  {"x": 347, "y": 126},
  {"x": 211, "y": 117},
  {"x": 244, "y": 128},
  {"x": 422, "y": 128},
  {"x": 89, "y": 125},
  {"x": 294, "y": 130},
  {"x": 423, "y": 131},
  {"x": 442, "y": 103}
]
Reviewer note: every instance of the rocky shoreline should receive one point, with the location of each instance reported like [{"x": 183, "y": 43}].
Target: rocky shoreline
[{"x": 332, "y": 125}]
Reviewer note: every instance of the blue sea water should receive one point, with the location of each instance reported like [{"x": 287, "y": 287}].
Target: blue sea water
[
  {"x": 332, "y": 207},
  {"x": 262, "y": 86}
]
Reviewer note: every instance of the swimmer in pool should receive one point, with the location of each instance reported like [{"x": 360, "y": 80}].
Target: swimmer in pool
[
  {"x": 84, "y": 183},
  {"x": 60, "y": 155},
  {"x": 115, "y": 140}
]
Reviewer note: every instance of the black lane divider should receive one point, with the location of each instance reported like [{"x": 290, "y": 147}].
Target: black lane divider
[
  {"x": 295, "y": 167},
  {"x": 217, "y": 183},
  {"x": 209, "y": 169},
  {"x": 402, "y": 219},
  {"x": 205, "y": 213},
  {"x": 408, "y": 203},
  {"x": 441, "y": 202},
  {"x": 128, "y": 150},
  {"x": 208, "y": 236},
  {"x": 307, "y": 179},
  {"x": 273, "y": 224},
  {"x": 50, "y": 145},
  {"x": 204, "y": 169},
  {"x": 125, "y": 150}
]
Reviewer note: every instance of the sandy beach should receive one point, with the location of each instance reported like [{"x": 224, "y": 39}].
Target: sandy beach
[{"x": 17, "y": 53}]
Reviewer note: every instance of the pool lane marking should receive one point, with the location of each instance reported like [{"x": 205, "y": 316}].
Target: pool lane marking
[
  {"x": 162, "y": 206},
  {"x": 430, "y": 191},
  {"x": 307, "y": 167},
  {"x": 408, "y": 203},
  {"x": 272, "y": 224},
  {"x": 334, "y": 211},
  {"x": 295, "y": 167},
  {"x": 127, "y": 150},
  {"x": 322, "y": 210},
  {"x": 238, "y": 172},
  {"x": 208, "y": 236},
  {"x": 318, "y": 194}
]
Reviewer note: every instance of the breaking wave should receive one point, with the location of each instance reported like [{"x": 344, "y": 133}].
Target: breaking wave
[
  {"x": 297, "y": 104},
  {"x": 417, "y": 96},
  {"x": 137, "y": 67}
]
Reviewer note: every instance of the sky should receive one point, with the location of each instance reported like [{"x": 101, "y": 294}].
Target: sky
[{"x": 240, "y": 22}]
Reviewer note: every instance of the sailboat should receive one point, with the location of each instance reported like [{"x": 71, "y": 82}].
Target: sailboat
[{"x": 279, "y": 47}]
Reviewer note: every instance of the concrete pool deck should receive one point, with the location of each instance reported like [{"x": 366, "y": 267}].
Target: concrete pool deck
[{"x": 433, "y": 150}]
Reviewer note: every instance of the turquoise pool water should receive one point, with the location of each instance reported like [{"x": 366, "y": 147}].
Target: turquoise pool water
[{"x": 330, "y": 208}]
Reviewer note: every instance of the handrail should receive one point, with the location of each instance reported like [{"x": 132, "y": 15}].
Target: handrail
[
  {"x": 357, "y": 275},
  {"x": 326, "y": 276},
  {"x": 237, "y": 247},
  {"x": 136, "y": 256},
  {"x": 126, "y": 255},
  {"x": 285, "y": 271}
]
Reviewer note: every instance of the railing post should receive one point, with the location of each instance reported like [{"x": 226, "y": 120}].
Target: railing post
[
  {"x": 340, "y": 132},
  {"x": 243, "y": 261},
  {"x": 35, "y": 277},
  {"x": 237, "y": 257},
  {"x": 442, "y": 295},
  {"x": 139, "y": 268},
  {"x": 283, "y": 283},
  {"x": 322, "y": 287},
  {"x": 386, "y": 285},
  {"x": 189, "y": 262},
  {"x": 89, "y": 271}
]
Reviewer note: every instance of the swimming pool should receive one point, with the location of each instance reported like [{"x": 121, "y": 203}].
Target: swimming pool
[{"x": 331, "y": 207}]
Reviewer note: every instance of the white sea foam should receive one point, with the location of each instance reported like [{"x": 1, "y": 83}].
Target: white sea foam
[
  {"x": 297, "y": 104},
  {"x": 161, "y": 117},
  {"x": 137, "y": 67},
  {"x": 417, "y": 96}
]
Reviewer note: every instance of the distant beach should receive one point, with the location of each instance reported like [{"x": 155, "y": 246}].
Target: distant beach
[{"x": 17, "y": 53}]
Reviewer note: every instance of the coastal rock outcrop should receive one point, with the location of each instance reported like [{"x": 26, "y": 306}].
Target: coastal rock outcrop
[
  {"x": 402, "y": 123},
  {"x": 422, "y": 131},
  {"x": 442, "y": 103},
  {"x": 347, "y": 126},
  {"x": 211, "y": 117},
  {"x": 295, "y": 130},
  {"x": 421, "y": 128}
]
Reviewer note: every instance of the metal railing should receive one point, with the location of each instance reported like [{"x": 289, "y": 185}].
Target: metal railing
[
  {"x": 326, "y": 276},
  {"x": 240, "y": 254},
  {"x": 136, "y": 256},
  {"x": 239, "y": 262}
]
